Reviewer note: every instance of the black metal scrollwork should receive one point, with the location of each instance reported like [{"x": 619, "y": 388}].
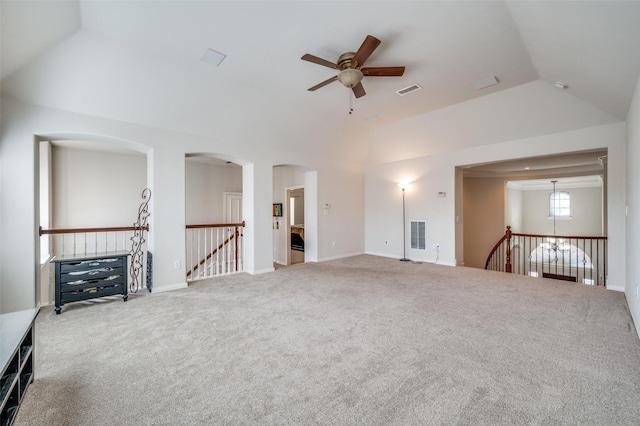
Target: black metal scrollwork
[{"x": 137, "y": 241}]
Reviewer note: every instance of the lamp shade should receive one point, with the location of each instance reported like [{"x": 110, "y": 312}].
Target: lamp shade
[{"x": 350, "y": 77}]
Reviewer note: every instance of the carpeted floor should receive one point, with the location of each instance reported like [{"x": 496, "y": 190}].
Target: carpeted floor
[{"x": 364, "y": 340}]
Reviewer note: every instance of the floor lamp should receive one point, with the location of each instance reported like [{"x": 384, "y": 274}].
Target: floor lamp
[{"x": 404, "y": 186}]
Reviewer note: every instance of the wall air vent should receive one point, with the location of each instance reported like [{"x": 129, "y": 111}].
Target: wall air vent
[
  {"x": 478, "y": 85},
  {"x": 418, "y": 234},
  {"x": 408, "y": 90},
  {"x": 212, "y": 57}
]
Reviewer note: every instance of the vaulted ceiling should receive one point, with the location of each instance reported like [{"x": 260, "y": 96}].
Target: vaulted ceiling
[{"x": 141, "y": 61}]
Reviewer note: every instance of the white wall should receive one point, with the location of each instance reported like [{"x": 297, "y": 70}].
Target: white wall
[
  {"x": 586, "y": 212},
  {"x": 336, "y": 181},
  {"x": 632, "y": 288},
  {"x": 383, "y": 201},
  {"x": 441, "y": 137},
  {"x": 205, "y": 188},
  {"x": 340, "y": 230},
  {"x": 513, "y": 210},
  {"x": 96, "y": 189}
]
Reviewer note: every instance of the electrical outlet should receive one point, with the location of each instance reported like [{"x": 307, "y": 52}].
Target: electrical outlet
[
  {"x": 387, "y": 242},
  {"x": 333, "y": 243},
  {"x": 176, "y": 264},
  {"x": 436, "y": 247}
]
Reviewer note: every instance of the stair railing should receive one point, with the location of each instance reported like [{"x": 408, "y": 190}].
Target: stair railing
[
  {"x": 580, "y": 259},
  {"x": 214, "y": 249}
]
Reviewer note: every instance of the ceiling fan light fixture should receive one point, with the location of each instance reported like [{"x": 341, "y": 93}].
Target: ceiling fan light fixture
[{"x": 350, "y": 77}]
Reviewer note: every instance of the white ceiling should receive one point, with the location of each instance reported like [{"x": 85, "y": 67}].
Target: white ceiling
[{"x": 140, "y": 61}]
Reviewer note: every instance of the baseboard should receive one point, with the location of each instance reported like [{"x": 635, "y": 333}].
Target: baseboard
[
  {"x": 261, "y": 271},
  {"x": 171, "y": 287},
  {"x": 342, "y": 256},
  {"x": 433, "y": 262},
  {"x": 387, "y": 255},
  {"x": 614, "y": 288},
  {"x": 630, "y": 307}
]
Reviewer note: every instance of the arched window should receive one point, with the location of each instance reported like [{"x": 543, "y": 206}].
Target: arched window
[{"x": 559, "y": 204}]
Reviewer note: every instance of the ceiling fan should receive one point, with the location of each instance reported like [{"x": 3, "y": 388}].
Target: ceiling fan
[{"x": 350, "y": 66}]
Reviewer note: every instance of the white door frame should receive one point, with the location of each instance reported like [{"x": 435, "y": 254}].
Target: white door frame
[{"x": 287, "y": 218}]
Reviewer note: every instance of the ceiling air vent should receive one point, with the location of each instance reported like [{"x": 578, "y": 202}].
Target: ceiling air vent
[{"x": 408, "y": 90}]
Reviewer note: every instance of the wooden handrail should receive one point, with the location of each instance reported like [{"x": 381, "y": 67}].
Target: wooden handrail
[
  {"x": 84, "y": 230},
  {"x": 493, "y": 250},
  {"x": 217, "y": 225},
  {"x": 566, "y": 237}
]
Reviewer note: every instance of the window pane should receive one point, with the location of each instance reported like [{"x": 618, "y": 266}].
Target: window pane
[{"x": 559, "y": 204}]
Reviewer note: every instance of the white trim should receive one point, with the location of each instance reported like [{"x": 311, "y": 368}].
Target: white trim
[
  {"x": 620, "y": 289},
  {"x": 261, "y": 271},
  {"x": 342, "y": 256},
  {"x": 425, "y": 261},
  {"x": 563, "y": 183},
  {"x": 171, "y": 287}
]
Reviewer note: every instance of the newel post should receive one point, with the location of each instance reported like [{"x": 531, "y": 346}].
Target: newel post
[
  {"x": 236, "y": 244},
  {"x": 507, "y": 266}
]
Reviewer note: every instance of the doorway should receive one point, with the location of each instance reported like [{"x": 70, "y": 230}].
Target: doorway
[{"x": 295, "y": 225}]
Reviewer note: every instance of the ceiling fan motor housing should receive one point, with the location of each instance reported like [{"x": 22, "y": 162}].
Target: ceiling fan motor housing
[{"x": 344, "y": 61}]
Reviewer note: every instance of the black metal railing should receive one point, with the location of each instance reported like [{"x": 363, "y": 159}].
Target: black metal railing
[{"x": 581, "y": 259}]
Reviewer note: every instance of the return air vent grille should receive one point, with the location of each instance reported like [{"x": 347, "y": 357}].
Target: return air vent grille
[
  {"x": 408, "y": 90},
  {"x": 418, "y": 234}
]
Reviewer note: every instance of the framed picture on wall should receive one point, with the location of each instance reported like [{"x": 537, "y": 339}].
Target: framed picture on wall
[{"x": 277, "y": 209}]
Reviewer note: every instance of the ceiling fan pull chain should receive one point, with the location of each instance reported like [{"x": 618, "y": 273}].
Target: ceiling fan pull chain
[{"x": 350, "y": 101}]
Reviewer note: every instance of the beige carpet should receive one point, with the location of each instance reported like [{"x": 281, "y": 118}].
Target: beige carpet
[{"x": 364, "y": 340}]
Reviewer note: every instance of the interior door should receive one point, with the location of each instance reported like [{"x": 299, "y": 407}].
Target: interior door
[{"x": 232, "y": 207}]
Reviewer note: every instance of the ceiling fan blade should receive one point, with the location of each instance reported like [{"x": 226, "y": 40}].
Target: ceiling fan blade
[
  {"x": 383, "y": 71},
  {"x": 319, "y": 61},
  {"x": 366, "y": 49},
  {"x": 358, "y": 90},
  {"x": 324, "y": 83}
]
